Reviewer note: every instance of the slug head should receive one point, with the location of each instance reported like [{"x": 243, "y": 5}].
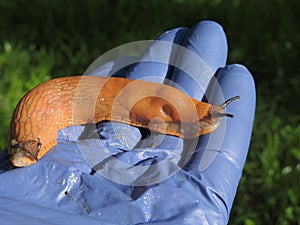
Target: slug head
[
  {"x": 212, "y": 120},
  {"x": 23, "y": 153}
]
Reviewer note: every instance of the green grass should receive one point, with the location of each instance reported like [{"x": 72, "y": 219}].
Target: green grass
[
  {"x": 269, "y": 187},
  {"x": 20, "y": 69},
  {"x": 40, "y": 40}
]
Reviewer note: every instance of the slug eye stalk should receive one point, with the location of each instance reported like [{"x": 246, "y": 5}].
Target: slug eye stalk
[
  {"x": 228, "y": 101},
  {"x": 218, "y": 114},
  {"x": 223, "y": 106}
]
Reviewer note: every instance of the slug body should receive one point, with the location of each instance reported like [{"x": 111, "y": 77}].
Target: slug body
[{"x": 76, "y": 100}]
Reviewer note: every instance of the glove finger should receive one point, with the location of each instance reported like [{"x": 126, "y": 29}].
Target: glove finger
[
  {"x": 205, "y": 50},
  {"x": 236, "y": 80},
  {"x": 154, "y": 64},
  {"x": 208, "y": 41},
  {"x": 220, "y": 156}
]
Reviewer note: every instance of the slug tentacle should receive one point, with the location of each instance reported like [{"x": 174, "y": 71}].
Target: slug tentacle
[
  {"x": 228, "y": 101},
  {"x": 219, "y": 114}
]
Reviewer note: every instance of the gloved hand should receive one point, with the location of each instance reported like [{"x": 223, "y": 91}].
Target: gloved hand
[{"x": 126, "y": 180}]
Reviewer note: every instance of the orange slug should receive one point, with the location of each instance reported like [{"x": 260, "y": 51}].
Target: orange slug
[{"x": 79, "y": 100}]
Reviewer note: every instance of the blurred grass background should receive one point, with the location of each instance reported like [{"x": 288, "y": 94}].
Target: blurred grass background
[{"x": 40, "y": 40}]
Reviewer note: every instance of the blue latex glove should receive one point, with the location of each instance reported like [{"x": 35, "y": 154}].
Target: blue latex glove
[{"x": 62, "y": 188}]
